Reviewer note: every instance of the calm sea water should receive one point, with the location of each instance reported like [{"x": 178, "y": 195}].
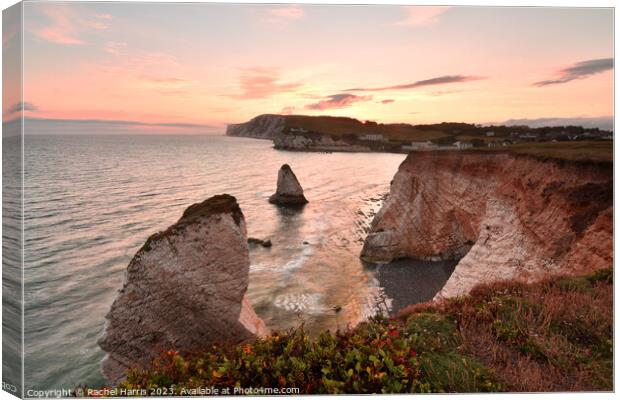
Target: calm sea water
[{"x": 91, "y": 202}]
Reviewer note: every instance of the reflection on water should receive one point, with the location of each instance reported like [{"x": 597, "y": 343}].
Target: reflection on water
[
  {"x": 407, "y": 281},
  {"x": 91, "y": 202}
]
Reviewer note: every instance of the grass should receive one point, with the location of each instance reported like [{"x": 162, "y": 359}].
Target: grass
[
  {"x": 581, "y": 151},
  {"x": 340, "y": 126},
  {"x": 555, "y": 335}
]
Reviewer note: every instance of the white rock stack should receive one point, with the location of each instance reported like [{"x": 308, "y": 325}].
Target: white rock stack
[
  {"x": 184, "y": 290},
  {"x": 288, "y": 192}
]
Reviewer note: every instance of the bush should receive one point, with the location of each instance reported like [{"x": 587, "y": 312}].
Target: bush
[
  {"x": 555, "y": 335},
  {"x": 379, "y": 356}
]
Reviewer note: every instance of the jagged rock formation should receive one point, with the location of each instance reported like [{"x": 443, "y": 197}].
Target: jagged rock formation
[
  {"x": 183, "y": 290},
  {"x": 503, "y": 216},
  {"x": 289, "y": 191},
  {"x": 265, "y": 126}
]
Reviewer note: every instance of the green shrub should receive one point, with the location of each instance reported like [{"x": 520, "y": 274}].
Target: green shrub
[{"x": 378, "y": 357}]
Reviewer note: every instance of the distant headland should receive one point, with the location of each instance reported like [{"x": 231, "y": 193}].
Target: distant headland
[{"x": 327, "y": 133}]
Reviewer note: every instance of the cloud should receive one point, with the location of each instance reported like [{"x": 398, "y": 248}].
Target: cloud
[
  {"x": 579, "y": 70},
  {"x": 124, "y": 61},
  {"x": 10, "y": 29},
  {"x": 259, "y": 83},
  {"x": 282, "y": 16},
  {"x": 441, "y": 80},
  {"x": 65, "y": 25},
  {"x": 118, "y": 122},
  {"x": 341, "y": 100},
  {"x": 166, "y": 85},
  {"x": 387, "y": 101},
  {"x": 22, "y": 106},
  {"x": 421, "y": 15},
  {"x": 287, "y": 110},
  {"x": 442, "y": 92},
  {"x": 115, "y": 48},
  {"x": 111, "y": 126}
]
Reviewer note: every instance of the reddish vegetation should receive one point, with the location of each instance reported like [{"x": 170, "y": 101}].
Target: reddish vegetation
[{"x": 555, "y": 335}]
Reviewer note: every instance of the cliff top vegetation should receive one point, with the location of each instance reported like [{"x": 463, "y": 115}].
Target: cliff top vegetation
[
  {"x": 554, "y": 335},
  {"x": 445, "y": 131},
  {"x": 580, "y": 151}
]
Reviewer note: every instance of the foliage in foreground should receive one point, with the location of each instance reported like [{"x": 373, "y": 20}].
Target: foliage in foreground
[{"x": 549, "y": 336}]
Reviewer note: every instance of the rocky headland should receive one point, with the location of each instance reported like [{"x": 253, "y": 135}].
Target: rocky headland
[
  {"x": 503, "y": 216},
  {"x": 342, "y": 134},
  {"x": 288, "y": 133},
  {"x": 264, "y": 126},
  {"x": 184, "y": 290}
]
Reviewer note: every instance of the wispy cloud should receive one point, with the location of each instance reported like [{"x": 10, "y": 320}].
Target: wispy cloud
[
  {"x": 22, "y": 106},
  {"x": 341, "y": 100},
  {"x": 387, "y": 101},
  {"x": 117, "y": 122},
  {"x": 287, "y": 110},
  {"x": 283, "y": 15},
  {"x": 259, "y": 83},
  {"x": 113, "y": 126},
  {"x": 441, "y": 80},
  {"x": 11, "y": 27},
  {"x": 65, "y": 25},
  {"x": 115, "y": 48},
  {"x": 421, "y": 15},
  {"x": 579, "y": 70},
  {"x": 166, "y": 85},
  {"x": 125, "y": 61}
]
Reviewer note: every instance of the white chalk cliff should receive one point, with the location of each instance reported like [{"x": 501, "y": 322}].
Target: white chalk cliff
[{"x": 265, "y": 126}]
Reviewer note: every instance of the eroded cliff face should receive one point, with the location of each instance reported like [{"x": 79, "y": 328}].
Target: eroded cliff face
[
  {"x": 503, "y": 216},
  {"x": 265, "y": 126},
  {"x": 314, "y": 142},
  {"x": 184, "y": 290}
]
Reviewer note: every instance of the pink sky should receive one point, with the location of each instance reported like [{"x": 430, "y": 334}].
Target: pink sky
[{"x": 215, "y": 64}]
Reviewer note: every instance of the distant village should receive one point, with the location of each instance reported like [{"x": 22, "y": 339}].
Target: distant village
[{"x": 460, "y": 136}]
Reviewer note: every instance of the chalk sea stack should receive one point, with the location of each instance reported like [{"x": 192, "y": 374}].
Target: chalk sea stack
[
  {"x": 289, "y": 191},
  {"x": 184, "y": 290}
]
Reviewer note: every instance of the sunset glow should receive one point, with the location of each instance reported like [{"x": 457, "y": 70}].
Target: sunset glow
[{"x": 206, "y": 65}]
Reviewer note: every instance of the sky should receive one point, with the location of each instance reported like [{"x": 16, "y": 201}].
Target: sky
[{"x": 196, "y": 67}]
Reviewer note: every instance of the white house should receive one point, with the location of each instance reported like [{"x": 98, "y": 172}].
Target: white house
[
  {"x": 463, "y": 145},
  {"x": 298, "y": 130},
  {"x": 490, "y": 133},
  {"x": 420, "y": 146},
  {"x": 376, "y": 137}
]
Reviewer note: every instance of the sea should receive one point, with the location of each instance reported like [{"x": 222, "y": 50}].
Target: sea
[{"x": 91, "y": 202}]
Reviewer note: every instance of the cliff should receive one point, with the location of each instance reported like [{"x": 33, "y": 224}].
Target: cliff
[
  {"x": 264, "y": 126},
  {"x": 504, "y": 216},
  {"x": 315, "y": 142},
  {"x": 184, "y": 290}
]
